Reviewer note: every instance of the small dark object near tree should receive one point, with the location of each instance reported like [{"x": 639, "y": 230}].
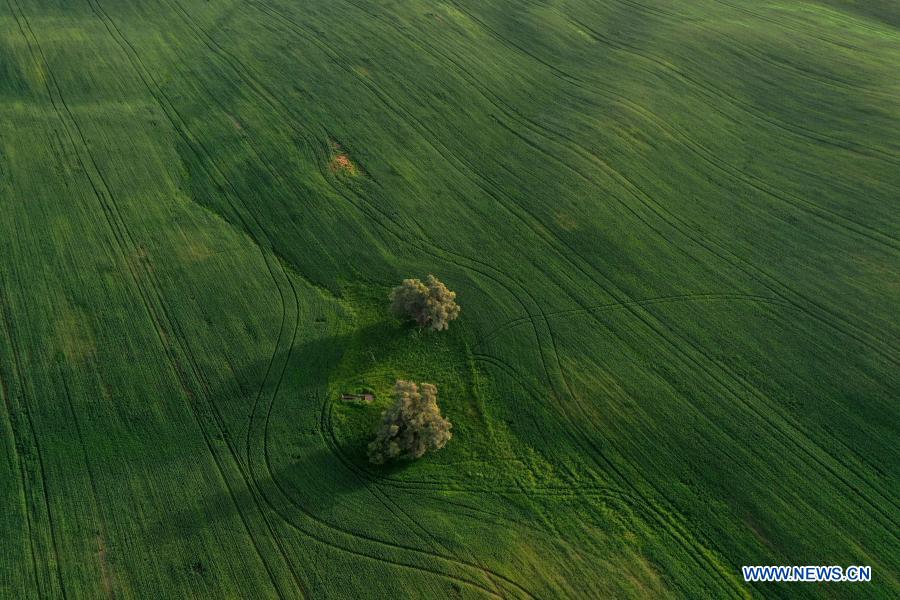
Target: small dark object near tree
[
  {"x": 412, "y": 426},
  {"x": 429, "y": 304},
  {"x": 361, "y": 398}
]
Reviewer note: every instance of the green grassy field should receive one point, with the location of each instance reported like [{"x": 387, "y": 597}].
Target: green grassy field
[{"x": 673, "y": 227}]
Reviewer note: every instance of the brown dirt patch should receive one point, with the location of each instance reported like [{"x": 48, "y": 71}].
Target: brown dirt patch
[
  {"x": 341, "y": 161},
  {"x": 106, "y": 579}
]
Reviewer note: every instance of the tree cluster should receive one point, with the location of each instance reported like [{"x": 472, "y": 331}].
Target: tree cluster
[
  {"x": 429, "y": 304},
  {"x": 412, "y": 426}
]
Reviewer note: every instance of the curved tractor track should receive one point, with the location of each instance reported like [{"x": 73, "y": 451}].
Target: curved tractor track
[{"x": 673, "y": 357}]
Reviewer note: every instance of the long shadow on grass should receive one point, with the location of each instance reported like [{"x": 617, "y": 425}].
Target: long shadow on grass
[{"x": 293, "y": 469}]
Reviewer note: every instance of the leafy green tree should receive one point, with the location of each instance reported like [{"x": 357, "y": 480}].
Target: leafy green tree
[
  {"x": 430, "y": 304},
  {"x": 412, "y": 426}
]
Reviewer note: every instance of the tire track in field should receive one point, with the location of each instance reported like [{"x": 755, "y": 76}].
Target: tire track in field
[
  {"x": 709, "y": 297},
  {"x": 715, "y": 92},
  {"x": 672, "y": 219},
  {"x": 551, "y": 534},
  {"x": 641, "y": 197},
  {"x": 793, "y": 129},
  {"x": 372, "y": 480},
  {"x": 789, "y": 439},
  {"x": 357, "y": 537},
  {"x": 816, "y": 76},
  {"x": 106, "y": 582},
  {"x": 759, "y": 395},
  {"x": 403, "y": 114},
  {"x": 243, "y": 74},
  {"x": 780, "y": 22},
  {"x": 709, "y": 359},
  {"x": 293, "y": 25},
  {"x": 805, "y": 32},
  {"x": 40, "y": 473},
  {"x": 183, "y": 376},
  {"x": 826, "y": 215},
  {"x": 768, "y": 280},
  {"x": 438, "y": 546},
  {"x": 277, "y": 176},
  {"x": 409, "y": 485},
  {"x": 423, "y": 534},
  {"x": 698, "y": 556},
  {"x": 773, "y": 423},
  {"x": 510, "y": 112},
  {"x": 831, "y": 456},
  {"x": 682, "y": 537},
  {"x": 31, "y": 42},
  {"x": 222, "y": 181},
  {"x": 266, "y": 96},
  {"x": 557, "y": 539},
  {"x": 791, "y": 420},
  {"x": 123, "y": 238},
  {"x": 748, "y": 50},
  {"x": 265, "y": 499},
  {"x": 19, "y": 444},
  {"x": 664, "y": 514},
  {"x": 761, "y": 276},
  {"x": 825, "y": 451}
]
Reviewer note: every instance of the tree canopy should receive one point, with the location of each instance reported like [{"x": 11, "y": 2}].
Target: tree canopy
[
  {"x": 412, "y": 426},
  {"x": 430, "y": 304}
]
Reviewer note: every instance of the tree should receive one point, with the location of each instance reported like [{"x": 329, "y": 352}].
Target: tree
[
  {"x": 429, "y": 304},
  {"x": 412, "y": 426}
]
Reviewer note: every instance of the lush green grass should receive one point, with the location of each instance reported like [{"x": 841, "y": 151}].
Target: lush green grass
[{"x": 673, "y": 228}]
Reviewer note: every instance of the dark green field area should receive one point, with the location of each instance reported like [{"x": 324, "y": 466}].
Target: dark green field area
[{"x": 673, "y": 227}]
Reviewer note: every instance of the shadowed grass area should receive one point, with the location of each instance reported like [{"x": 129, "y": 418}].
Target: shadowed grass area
[{"x": 672, "y": 228}]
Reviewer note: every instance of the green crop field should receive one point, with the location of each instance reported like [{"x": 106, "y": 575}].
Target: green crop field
[{"x": 674, "y": 231}]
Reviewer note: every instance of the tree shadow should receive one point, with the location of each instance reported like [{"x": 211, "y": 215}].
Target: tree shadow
[{"x": 294, "y": 471}]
